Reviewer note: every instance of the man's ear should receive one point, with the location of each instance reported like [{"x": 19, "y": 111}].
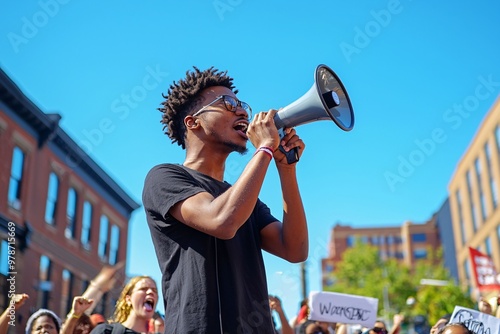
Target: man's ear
[{"x": 191, "y": 122}]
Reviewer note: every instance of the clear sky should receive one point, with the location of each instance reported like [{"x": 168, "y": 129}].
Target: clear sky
[{"x": 421, "y": 76}]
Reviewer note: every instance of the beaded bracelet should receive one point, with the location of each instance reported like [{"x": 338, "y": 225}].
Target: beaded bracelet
[
  {"x": 265, "y": 149},
  {"x": 73, "y": 315}
]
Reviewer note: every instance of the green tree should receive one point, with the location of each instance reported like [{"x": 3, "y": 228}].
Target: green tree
[{"x": 437, "y": 301}]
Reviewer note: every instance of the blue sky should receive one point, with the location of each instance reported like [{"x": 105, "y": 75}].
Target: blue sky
[{"x": 421, "y": 76}]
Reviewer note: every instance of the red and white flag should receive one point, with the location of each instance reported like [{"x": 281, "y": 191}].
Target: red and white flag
[{"x": 487, "y": 278}]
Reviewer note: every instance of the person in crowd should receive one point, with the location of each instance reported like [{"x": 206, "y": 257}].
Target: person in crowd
[
  {"x": 498, "y": 306},
  {"x": 484, "y": 306},
  {"x": 103, "y": 282},
  {"x": 380, "y": 328},
  {"x": 77, "y": 321},
  {"x": 316, "y": 327},
  {"x": 15, "y": 303},
  {"x": 275, "y": 305},
  {"x": 97, "y": 319},
  {"x": 157, "y": 324},
  {"x": 43, "y": 321},
  {"x": 209, "y": 234},
  {"x": 134, "y": 309},
  {"x": 455, "y": 328},
  {"x": 301, "y": 316},
  {"x": 443, "y": 321}
]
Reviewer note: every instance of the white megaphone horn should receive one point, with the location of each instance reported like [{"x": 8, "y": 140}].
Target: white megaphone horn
[{"x": 326, "y": 100}]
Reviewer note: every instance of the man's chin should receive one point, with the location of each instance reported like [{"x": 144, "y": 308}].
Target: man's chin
[
  {"x": 237, "y": 148},
  {"x": 242, "y": 150}
]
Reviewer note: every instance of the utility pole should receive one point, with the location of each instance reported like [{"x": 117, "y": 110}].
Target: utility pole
[{"x": 303, "y": 275}]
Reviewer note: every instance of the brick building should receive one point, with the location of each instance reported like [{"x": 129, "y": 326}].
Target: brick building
[
  {"x": 406, "y": 243},
  {"x": 70, "y": 217}
]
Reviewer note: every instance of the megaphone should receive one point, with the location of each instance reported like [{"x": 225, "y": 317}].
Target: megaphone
[{"x": 327, "y": 99}]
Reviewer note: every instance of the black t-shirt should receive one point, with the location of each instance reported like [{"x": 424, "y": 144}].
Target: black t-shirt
[
  {"x": 106, "y": 328},
  {"x": 206, "y": 281}
]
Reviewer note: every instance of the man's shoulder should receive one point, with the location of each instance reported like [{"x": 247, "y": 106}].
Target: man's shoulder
[{"x": 163, "y": 169}]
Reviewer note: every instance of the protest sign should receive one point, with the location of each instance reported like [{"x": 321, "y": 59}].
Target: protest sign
[
  {"x": 342, "y": 308},
  {"x": 477, "y": 322}
]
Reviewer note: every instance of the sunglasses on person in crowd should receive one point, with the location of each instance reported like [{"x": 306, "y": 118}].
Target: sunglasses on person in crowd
[{"x": 379, "y": 330}]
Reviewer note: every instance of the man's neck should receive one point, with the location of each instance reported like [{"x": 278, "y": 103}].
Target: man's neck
[{"x": 208, "y": 163}]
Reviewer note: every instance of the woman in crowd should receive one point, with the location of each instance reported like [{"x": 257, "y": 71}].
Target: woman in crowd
[
  {"x": 43, "y": 321},
  {"x": 134, "y": 308}
]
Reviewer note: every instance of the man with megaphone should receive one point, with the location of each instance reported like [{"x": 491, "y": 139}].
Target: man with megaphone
[{"x": 208, "y": 234}]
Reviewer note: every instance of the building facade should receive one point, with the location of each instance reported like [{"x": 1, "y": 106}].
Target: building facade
[
  {"x": 62, "y": 218},
  {"x": 473, "y": 192},
  {"x": 406, "y": 243}
]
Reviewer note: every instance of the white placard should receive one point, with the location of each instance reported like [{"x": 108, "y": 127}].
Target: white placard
[
  {"x": 478, "y": 322},
  {"x": 342, "y": 308}
]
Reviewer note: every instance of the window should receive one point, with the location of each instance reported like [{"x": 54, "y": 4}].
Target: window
[
  {"x": 84, "y": 286},
  {"x": 114, "y": 245},
  {"x": 4, "y": 258},
  {"x": 467, "y": 269},
  {"x": 497, "y": 137},
  {"x": 52, "y": 192},
  {"x": 498, "y": 232},
  {"x": 477, "y": 164},
  {"x": 16, "y": 178},
  {"x": 44, "y": 283},
  {"x": 487, "y": 246},
  {"x": 86, "y": 225},
  {"x": 350, "y": 241},
  {"x": 419, "y": 237},
  {"x": 493, "y": 186},
  {"x": 467, "y": 275},
  {"x": 103, "y": 238},
  {"x": 71, "y": 214},
  {"x": 460, "y": 216},
  {"x": 420, "y": 254},
  {"x": 67, "y": 291},
  {"x": 471, "y": 202}
]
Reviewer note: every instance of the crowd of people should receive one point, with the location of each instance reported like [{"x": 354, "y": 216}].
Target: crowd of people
[
  {"x": 135, "y": 309},
  {"x": 302, "y": 324},
  {"x": 135, "y": 313}
]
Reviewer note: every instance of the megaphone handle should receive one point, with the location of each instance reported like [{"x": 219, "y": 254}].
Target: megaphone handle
[{"x": 292, "y": 156}]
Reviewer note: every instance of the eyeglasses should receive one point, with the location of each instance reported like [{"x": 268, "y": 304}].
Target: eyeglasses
[
  {"x": 379, "y": 330},
  {"x": 230, "y": 103}
]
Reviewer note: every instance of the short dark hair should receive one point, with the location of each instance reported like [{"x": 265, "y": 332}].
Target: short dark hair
[
  {"x": 459, "y": 324},
  {"x": 183, "y": 95}
]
